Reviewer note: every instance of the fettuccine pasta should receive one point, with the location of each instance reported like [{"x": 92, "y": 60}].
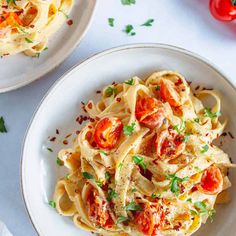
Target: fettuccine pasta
[
  {"x": 26, "y": 25},
  {"x": 145, "y": 164}
]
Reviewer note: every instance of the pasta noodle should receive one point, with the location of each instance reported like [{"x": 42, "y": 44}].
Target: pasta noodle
[
  {"x": 146, "y": 164},
  {"x": 26, "y": 25}
]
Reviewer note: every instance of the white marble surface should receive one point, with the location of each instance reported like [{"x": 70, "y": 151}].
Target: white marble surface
[{"x": 185, "y": 23}]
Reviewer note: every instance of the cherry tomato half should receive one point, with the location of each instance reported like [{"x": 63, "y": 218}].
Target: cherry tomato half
[
  {"x": 107, "y": 132},
  {"x": 97, "y": 210},
  {"x": 224, "y": 10},
  {"x": 169, "y": 144},
  {"x": 211, "y": 182},
  {"x": 149, "y": 112},
  {"x": 150, "y": 219}
]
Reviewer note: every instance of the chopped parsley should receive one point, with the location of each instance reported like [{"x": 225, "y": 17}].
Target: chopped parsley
[
  {"x": 193, "y": 212},
  {"x": 37, "y": 54},
  {"x": 130, "y": 81},
  {"x": 20, "y": 28},
  {"x": 45, "y": 49},
  {"x": 233, "y": 2},
  {"x": 87, "y": 175},
  {"x": 158, "y": 87},
  {"x": 128, "y": 2},
  {"x": 107, "y": 176},
  {"x": 181, "y": 127},
  {"x": 189, "y": 200},
  {"x": 196, "y": 120},
  {"x": 202, "y": 209},
  {"x": 49, "y": 149},
  {"x": 67, "y": 176},
  {"x": 28, "y": 40},
  {"x": 110, "y": 91},
  {"x": 121, "y": 219},
  {"x": 120, "y": 166},
  {"x": 156, "y": 195},
  {"x": 134, "y": 190},
  {"x": 60, "y": 162},
  {"x": 138, "y": 160},
  {"x": 149, "y": 22},
  {"x": 2, "y": 125},
  {"x": 210, "y": 114},
  {"x": 111, "y": 194},
  {"x": 175, "y": 183},
  {"x": 129, "y": 129},
  {"x": 133, "y": 207},
  {"x": 205, "y": 148},
  {"x": 52, "y": 204},
  {"x": 102, "y": 152},
  {"x": 111, "y": 21},
  {"x": 129, "y": 30},
  {"x": 197, "y": 168},
  {"x": 186, "y": 136},
  {"x": 99, "y": 182}
]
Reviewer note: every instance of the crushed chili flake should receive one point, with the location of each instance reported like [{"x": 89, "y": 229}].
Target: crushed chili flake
[
  {"x": 65, "y": 142},
  {"x": 98, "y": 91},
  {"x": 70, "y": 22},
  {"x": 207, "y": 88},
  {"x": 80, "y": 119},
  {"x": 57, "y": 131},
  {"x": 90, "y": 127},
  {"x": 224, "y": 134},
  {"x": 177, "y": 227},
  {"x": 91, "y": 119},
  {"x": 113, "y": 83},
  {"x": 118, "y": 99},
  {"x": 178, "y": 82},
  {"x": 231, "y": 160},
  {"x": 90, "y": 105},
  {"x": 77, "y": 132},
  {"x": 197, "y": 87},
  {"x": 52, "y": 139},
  {"x": 230, "y": 134},
  {"x": 67, "y": 136},
  {"x": 189, "y": 82}
]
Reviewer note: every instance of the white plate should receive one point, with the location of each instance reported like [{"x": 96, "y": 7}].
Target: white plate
[
  {"x": 61, "y": 106},
  {"x": 19, "y": 70}
]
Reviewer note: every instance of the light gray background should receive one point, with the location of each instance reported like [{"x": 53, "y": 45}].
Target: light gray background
[{"x": 185, "y": 23}]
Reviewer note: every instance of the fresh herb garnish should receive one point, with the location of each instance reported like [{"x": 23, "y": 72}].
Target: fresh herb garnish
[
  {"x": 121, "y": 219},
  {"x": 233, "y": 2},
  {"x": 186, "y": 136},
  {"x": 196, "y": 120},
  {"x": 181, "y": 127},
  {"x": 110, "y": 91},
  {"x": 111, "y": 194},
  {"x": 66, "y": 16},
  {"x": 128, "y": 2},
  {"x": 49, "y": 149},
  {"x": 45, "y": 49},
  {"x": 99, "y": 182},
  {"x": 193, "y": 212},
  {"x": 60, "y": 162},
  {"x": 111, "y": 21},
  {"x": 37, "y": 54},
  {"x": 52, "y": 204},
  {"x": 210, "y": 114},
  {"x": 130, "y": 81},
  {"x": 175, "y": 183},
  {"x": 205, "y": 148},
  {"x": 138, "y": 160},
  {"x": 133, "y": 207},
  {"x": 189, "y": 200},
  {"x": 67, "y": 176},
  {"x": 202, "y": 209},
  {"x": 2, "y": 125},
  {"x": 102, "y": 152},
  {"x": 20, "y": 28},
  {"x": 134, "y": 190},
  {"x": 158, "y": 87},
  {"x": 107, "y": 176},
  {"x": 148, "y": 22},
  {"x": 129, "y": 30},
  {"x": 129, "y": 129},
  {"x": 197, "y": 168},
  {"x": 28, "y": 40},
  {"x": 87, "y": 175},
  {"x": 11, "y": 2},
  {"x": 120, "y": 166},
  {"x": 156, "y": 195}
]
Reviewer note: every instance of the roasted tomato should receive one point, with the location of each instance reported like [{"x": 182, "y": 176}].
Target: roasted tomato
[
  {"x": 169, "y": 144},
  {"x": 150, "y": 220},
  {"x": 149, "y": 112},
  {"x": 212, "y": 181},
  {"x": 97, "y": 210},
  {"x": 107, "y": 132}
]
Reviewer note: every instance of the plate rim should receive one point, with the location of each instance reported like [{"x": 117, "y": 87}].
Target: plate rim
[
  {"x": 61, "y": 60},
  {"x": 85, "y": 62}
]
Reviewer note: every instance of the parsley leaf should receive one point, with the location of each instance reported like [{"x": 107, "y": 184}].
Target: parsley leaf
[
  {"x": 111, "y": 194},
  {"x": 134, "y": 190},
  {"x": 129, "y": 30},
  {"x": 189, "y": 200},
  {"x": 60, "y": 162},
  {"x": 87, "y": 175},
  {"x": 121, "y": 219},
  {"x": 186, "y": 136},
  {"x": 49, "y": 149},
  {"x": 128, "y": 2},
  {"x": 111, "y": 21},
  {"x": 107, "y": 176},
  {"x": 138, "y": 160},
  {"x": 148, "y": 22},
  {"x": 28, "y": 40},
  {"x": 52, "y": 204},
  {"x": 196, "y": 120},
  {"x": 102, "y": 152},
  {"x": 130, "y": 82},
  {"x": 181, "y": 127},
  {"x": 158, "y": 87},
  {"x": 156, "y": 195},
  {"x": 175, "y": 183},
  {"x": 110, "y": 91},
  {"x": 205, "y": 148},
  {"x": 129, "y": 129},
  {"x": 11, "y": 2},
  {"x": 208, "y": 113},
  {"x": 99, "y": 182},
  {"x": 2, "y": 125},
  {"x": 120, "y": 166},
  {"x": 233, "y": 2},
  {"x": 133, "y": 207}
]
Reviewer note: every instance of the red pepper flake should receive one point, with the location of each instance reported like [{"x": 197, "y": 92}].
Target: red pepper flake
[
  {"x": 65, "y": 142},
  {"x": 91, "y": 119},
  {"x": 224, "y": 134},
  {"x": 52, "y": 139},
  {"x": 90, "y": 105},
  {"x": 90, "y": 127},
  {"x": 67, "y": 136},
  {"x": 189, "y": 82},
  {"x": 230, "y": 134},
  {"x": 70, "y": 22},
  {"x": 77, "y": 132},
  {"x": 80, "y": 119},
  {"x": 207, "y": 88},
  {"x": 113, "y": 83},
  {"x": 197, "y": 87},
  {"x": 179, "y": 82},
  {"x": 177, "y": 227},
  {"x": 98, "y": 91},
  {"x": 118, "y": 99},
  {"x": 57, "y": 131}
]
